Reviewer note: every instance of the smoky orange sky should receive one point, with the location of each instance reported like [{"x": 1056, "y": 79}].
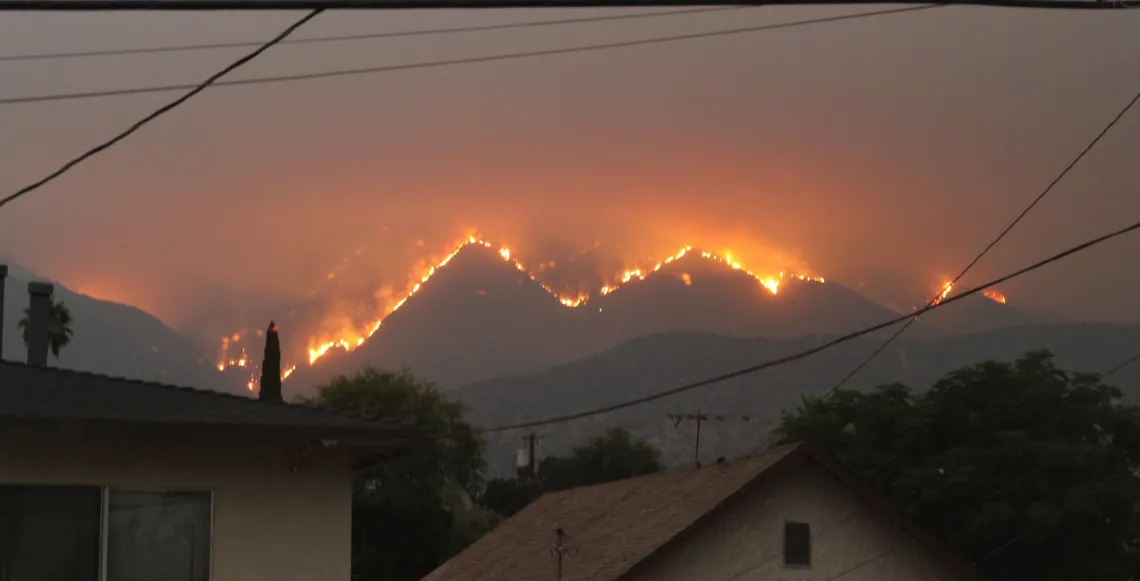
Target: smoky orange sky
[{"x": 891, "y": 148}]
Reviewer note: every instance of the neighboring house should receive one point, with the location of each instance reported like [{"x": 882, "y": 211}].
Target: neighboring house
[
  {"x": 790, "y": 514},
  {"x": 108, "y": 479}
]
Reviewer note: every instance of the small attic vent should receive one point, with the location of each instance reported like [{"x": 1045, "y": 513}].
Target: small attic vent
[{"x": 797, "y": 544}]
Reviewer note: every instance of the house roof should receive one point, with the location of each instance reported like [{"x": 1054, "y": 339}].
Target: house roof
[
  {"x": 39, "y": 394},
  {"x": 625, "y": 522}
]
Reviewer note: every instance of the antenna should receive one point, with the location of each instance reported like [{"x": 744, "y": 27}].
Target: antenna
[{"x": 560, "y": 549}]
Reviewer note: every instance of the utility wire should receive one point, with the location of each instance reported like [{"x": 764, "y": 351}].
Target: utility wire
[
  {"x": 160, "y": 111},
  {"x": 352, "y": 37},
  {"x": 462, "y": 61},
  {"x": 994, "y": 242},
  {"x": 1120, "y": 366},
  {"x": 809, "y": 352},
  {"x": 231, "y": 5}
]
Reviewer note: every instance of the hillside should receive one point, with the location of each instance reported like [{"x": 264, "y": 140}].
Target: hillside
[
  {"x": 650, "y": 364},
  {"x": 479, "y": 317},
  {"x": 110, "y": 338}
]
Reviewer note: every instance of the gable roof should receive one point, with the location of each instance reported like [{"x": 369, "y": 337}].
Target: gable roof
[
  {"x": 40, "y": 394},
  {"x": 627, "y": 521}
]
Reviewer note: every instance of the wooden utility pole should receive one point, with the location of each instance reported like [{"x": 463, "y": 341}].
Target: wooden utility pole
[
  {"x": 678, "y": 418},
  {"x": 526, "y": 464},
  {"x": 531, "y": 441},
  {"x": 700, "y": 417}
]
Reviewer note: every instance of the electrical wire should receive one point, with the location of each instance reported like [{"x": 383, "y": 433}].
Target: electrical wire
[
  {"x": 1119, "y": 366},
  {"x": 159, "y": 112},
  {"x": 814, "y": 350},
  {"x": 462, "y": 61},
  {"x": 994, "y": 242},
  {"x": 232, "y": 5},
  {"x": 353, "y": 37}
]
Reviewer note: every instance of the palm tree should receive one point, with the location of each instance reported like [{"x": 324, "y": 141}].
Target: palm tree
[{"x": 59, "y": 326}]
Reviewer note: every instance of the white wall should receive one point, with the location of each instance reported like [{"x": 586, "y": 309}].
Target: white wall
[
  {"x": 269, "y": 523},
  {"x": 745, "y": 543}
]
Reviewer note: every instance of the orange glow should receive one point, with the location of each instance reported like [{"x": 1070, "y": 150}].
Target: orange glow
[
  {"x": 946, "y": 288},
  {"x": 687, "y": 279},
  {"x": 349, "y": 338},
  {"x": 994, "y": 295}
]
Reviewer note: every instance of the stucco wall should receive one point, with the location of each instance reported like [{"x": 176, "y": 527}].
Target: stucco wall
[
  {"x": 745, "y": 543},
  {"x": 269, "y": 524}
]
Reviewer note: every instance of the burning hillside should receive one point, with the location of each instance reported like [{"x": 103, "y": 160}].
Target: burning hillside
[
  {"x": 347, "y": 335},
  {"x": 343, "y": 333}
]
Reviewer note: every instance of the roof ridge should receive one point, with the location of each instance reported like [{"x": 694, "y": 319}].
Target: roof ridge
[
  {"x": 203, "y": 392},
  {"x": 777, "y": 450}
]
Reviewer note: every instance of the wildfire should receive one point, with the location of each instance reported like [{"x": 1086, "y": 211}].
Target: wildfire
[
  {"x": 946, "y": 288},
  {"x": 349, "y": 339},
  {"x": 994, "y": 295}
]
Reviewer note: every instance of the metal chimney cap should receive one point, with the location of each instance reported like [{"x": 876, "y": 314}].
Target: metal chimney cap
[{"x": 41, "y": 288}]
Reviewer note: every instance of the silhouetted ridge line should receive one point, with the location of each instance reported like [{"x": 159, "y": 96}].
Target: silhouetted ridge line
[{"x": 809, "y": 352}]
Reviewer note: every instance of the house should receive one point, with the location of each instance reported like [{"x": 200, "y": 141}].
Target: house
[
  {"x": 108, "y": 479},
  {"x": 792, "y": 513}
]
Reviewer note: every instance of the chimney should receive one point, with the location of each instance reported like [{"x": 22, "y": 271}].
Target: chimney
[
  {"x": 3, "y": 277},
  {"x": 270, "y": 388},
  {"x": 38, "y": 320}
]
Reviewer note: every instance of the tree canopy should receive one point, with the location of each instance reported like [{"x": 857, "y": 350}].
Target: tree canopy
[
  {"x": 1030, "y": 471},
  {"x": 616, "y": 455},
  {"x": 412, "y": 512},
  {"x": 59, "y": 326}
]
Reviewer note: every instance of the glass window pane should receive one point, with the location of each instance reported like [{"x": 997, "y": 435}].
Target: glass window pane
[
  {"x": 158, "y": 536},
  {"x": 48, "y": 533}
]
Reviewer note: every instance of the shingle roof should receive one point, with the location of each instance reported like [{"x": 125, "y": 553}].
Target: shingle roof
[
  {"x": 30, "y": 393},
  {"x": 623, "y": 523}
]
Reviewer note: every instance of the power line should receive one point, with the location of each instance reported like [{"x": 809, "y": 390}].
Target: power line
[
  {"x": 353, "y": 37},
  {"x": 1121, "y": 365},
  {"x": 231, "y": 5},
  {"x": 812, "y": 351},
  {"x": 462, "y": 61},
  {"x": 160, "y": 111},
  {"x": 995, "y": 241}
]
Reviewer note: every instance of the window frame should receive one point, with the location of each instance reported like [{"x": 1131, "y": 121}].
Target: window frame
[
  {"x": 105, "y": 514},
  {"x": 784, "y": 542}
]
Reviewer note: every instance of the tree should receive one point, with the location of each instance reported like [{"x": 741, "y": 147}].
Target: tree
[
  {"x": 412, "y": 512},
  {"x": 269, "y": 388},
  {"x": 59, "y": 326},
  {"x": 617, "y": 455},
  {"x": 1026, "y": 469}
]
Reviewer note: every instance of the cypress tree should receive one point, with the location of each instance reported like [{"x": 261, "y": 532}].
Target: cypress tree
[{"x": 270, "y": 389}]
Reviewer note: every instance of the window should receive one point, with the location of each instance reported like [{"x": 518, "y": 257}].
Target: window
[
  {"x": 87, "y": 533},
  {"x": 797, "y": 544}
]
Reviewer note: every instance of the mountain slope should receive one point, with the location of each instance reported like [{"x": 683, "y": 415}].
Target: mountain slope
[
  {"x": 480, "y": 317},
  {"x": 477, "y": 318},
  {"x": 651, "y": 364},
  {"x": 110, "y": 338}
]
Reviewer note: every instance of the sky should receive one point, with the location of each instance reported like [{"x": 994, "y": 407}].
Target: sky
[{"x": 890, "y": 148}]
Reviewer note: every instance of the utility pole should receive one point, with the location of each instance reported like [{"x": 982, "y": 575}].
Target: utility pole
[
  {"x": 678, "y": 418},
  {"x": 526, "y": 463},
  {"x": 700, "y": 417}
]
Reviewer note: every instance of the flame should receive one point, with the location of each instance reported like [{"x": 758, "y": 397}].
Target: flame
[
  {"x": 994, "y": 295},
  {"x": 946, "y": 288},
  {"x": 348, "y": 339},
  {"x": 687, "y": 279}
]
